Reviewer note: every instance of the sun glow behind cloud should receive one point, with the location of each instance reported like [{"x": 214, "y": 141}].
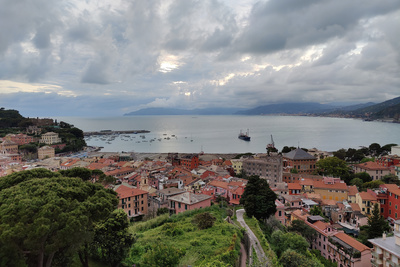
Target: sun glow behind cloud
[{"x": 9, "y": 87}]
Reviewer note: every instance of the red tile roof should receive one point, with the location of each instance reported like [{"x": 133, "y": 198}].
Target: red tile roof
[
  {"x": 355, "y": 206},
  {"x": 337, "y": 186},
  {"x": 124, "y": 191},
  {"x": 352, "y": 190},
  {"x": 367, "y": 196},
  {"x": 219, "y": 184},
  {"x": 371, "y": 165},
  {"x": 351, "y": 242},
  {"x": 294, "y": 186}
]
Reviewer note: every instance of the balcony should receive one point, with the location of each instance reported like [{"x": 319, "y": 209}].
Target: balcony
[
  {"x": 377, "y": 255},
  {"x": 374, "y": 264}
]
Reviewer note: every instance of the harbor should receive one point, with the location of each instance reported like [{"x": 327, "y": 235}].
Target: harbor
[{"x": 111, "y": 132}]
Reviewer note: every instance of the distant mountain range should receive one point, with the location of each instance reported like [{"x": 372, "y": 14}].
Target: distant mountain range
[
  {"x": 389, "y": 109},
  {"x": 175, "y": 111}
]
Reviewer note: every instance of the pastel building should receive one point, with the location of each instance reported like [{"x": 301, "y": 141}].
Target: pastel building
[
  {"x": 132, "y": 200},
  {"x": 46, "y": 152},
  {"x": 188, "y": 201},
  {"x": 50, "y": 138},
  {"x": 376, "y": 171},
  {"x": 386, "y": 250}
]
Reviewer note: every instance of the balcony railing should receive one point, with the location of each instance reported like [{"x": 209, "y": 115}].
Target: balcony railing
[{"x": 377, "y": 255}]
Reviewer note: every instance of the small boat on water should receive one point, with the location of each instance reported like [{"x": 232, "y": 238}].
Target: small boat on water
[{"x": 244, "y": 136}]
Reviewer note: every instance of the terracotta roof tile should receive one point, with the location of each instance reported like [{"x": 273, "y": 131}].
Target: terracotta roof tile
[
  {"x": 294, "y": 186},
  {"x": 352, "y": 190},
  {"x": 338, "y": 186},
  {"x": 367, "y": 196},
  {"x": 371, "y": 165},
  {"x": 124, "y": 191},
  {"x": 351, "y": 242}
]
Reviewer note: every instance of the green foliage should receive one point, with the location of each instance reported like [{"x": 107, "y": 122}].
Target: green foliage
[
  {"x": 292, "y": 258},
  {"x": 204, "y": 220},
  {"x": 238, "y": 156},
  {"x": 83, "y": 173},
  {"x": 162, "y": 255},
  {"x": 366, "y": 159},
  {"x": 372, "y": 184},
  {"x": 283, "y": 241},
  {"x": 377, "y": 225},
  {"x": 316, "y": 210},
  {"x": 332, "y": 166},
  {"x": 22, "y": 176},
  {"x": 294, "y": 170},
  {"x": 220, "y": 243},
  {"x": 111, "y": 238},
  {"x": 258, "y": 199},
  {"x": 303, "y": 229},
  {"x": 364, "y": 176},
  {"x": 357, "y": 182},
  {"x": 45, "y": 216},
  {"x": 162, "y": 211},
  {"x": 391, "y": 179},
  {"x": 325, "y": 262}
]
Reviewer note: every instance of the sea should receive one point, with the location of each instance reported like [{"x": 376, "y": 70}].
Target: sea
[{"x": 219, "y": 134}]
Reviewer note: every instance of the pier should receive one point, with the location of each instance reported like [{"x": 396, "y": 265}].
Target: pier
[{"x": 110, "y": 132}]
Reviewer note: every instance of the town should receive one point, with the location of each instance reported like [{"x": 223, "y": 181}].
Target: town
[{"x": 145, "y": 183}]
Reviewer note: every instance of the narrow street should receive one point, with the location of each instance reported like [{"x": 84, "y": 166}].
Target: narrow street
[{"x": 255, "y": 243}]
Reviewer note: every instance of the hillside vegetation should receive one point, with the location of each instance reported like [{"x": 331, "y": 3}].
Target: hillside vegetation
[{"x": 177, "y": 240}]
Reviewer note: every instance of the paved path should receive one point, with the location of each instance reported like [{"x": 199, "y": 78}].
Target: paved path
[{"x": 255, "y": 243}]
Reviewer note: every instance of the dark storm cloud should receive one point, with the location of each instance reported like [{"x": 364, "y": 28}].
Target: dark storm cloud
[{"x": 276, "y": 25}]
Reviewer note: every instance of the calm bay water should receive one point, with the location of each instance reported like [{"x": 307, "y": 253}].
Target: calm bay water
[{"x": 219, "y": 134}]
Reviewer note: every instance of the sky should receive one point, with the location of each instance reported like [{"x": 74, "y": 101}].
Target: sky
[{"x": 111, "y": 57}]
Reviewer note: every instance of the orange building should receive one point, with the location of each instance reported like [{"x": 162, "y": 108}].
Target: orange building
[{"x": 132, "y": 200}]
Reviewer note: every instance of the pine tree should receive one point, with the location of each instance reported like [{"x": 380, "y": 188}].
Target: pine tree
[{"x": 377, "y": 224}]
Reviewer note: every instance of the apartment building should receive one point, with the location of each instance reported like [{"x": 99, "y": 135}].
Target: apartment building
[
  {"x": 386, "y": 251},
  {"x": 268, "y": 167}
]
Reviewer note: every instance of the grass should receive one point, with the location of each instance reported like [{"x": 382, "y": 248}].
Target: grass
[{"x": 220, "y": 242}]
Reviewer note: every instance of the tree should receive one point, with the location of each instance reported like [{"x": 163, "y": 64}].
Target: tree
[
  {"x": 291, "y": 258},
  {"x": 332, "y": 166},
  {"x": 258, "y": 199},
  {"x": 316, "y": 210},
  {"x": 377, "y": 225},
  {"x": 303, "y": 229},
  {"x": 341, "y": 154},
  {"x": 162, "y": 211},
  {"x": 357, "y": 182},
  {"x": 375, "y": 149},
  {"x": 162, "y": 255},
  {"x": 204, "y": 220},
  {"x": 391, "y": 179},
  {"x": 43, "y": 216},
  {"x": 112, "y": 240},
  {"x": 283, "y": 241},
  {"x": 83, "y": 173},
  {"x": 373, "y": 184},
  {"x": 364, "y": 176},
  {"x": 294, "y": 170}
]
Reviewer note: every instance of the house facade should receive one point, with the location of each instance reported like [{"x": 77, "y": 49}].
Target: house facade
[
  {"x": 46, "y": 152},
  {"x": 299, "y": 160},
  {"x": 132, "y": 200},
  {"x": 50, "y": 138},
  {"x": 386, "y": 251},
  {"x": 376, "y": 171},
  {"x": 188, "y": 201}
]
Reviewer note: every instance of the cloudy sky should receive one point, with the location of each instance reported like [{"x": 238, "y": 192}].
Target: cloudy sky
[{"x": 110, "y": 57}]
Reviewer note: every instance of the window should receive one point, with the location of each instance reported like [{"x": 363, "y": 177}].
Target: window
[
  {"x": 179, "y": 205},
  {"x": 280, "y": 213},
  {"x": 185, "y": 207},
  {"x": 390, "y": 203}
]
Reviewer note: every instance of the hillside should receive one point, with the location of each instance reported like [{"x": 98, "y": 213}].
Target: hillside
[
  {"x": 288, "y": 108},
  {"x": 389, "y": 109},
  {"x": 178, "y": 234},
  {"x": 174, "y": 111}
]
